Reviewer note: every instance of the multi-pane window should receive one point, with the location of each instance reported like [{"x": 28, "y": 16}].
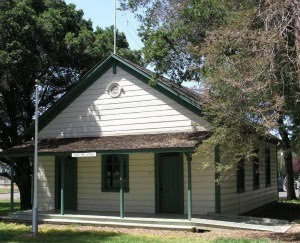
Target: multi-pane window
[
  {"x": 240, "y": 176},
  {"x": 268, "y": 167},
  {"x": 256, "y": 170},
  {"x": 111, "y": 172}
]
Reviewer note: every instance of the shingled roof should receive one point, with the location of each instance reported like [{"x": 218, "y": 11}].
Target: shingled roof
[{"x": 168, "y": 142}]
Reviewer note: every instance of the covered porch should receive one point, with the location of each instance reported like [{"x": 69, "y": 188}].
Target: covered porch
[
  {"x": 156, "y": 221},
  {"x": 161, "y": 146}
]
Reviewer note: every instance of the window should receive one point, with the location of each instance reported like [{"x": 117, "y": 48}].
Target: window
[
  {"x": 268, "y": 167},
  {"x": 111, "y": 172},
  {"x": 240, "y": 176},
  {"x": 256, "y": 170}
]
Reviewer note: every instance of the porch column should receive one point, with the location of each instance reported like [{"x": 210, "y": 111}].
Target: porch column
[
  {"x": 122, "y": 188},
  {"x": 62, "y": 188},
  {"x": 12, "y": 186},
  {"x": 189, "y": 195}
]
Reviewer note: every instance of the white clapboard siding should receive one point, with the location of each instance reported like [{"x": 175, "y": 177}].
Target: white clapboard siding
[
  {"x": 141, "y": 195},
  {"x": 203, "y": 186},
  {"x": 46, "y": 182},
  {"x": 140, "y": 109},
  {"x": 238, "y": 203}
]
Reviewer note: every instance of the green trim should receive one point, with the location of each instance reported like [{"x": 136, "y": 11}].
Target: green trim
[
  {"x": 114, "y": 68},
  {"x": 101, "y": 152},
  {"x": 97, "y": 71},
  {"x": 157, "y": 182},
  {"x": 57, "y": 183},
  {"x": 70, "y": 96},
  {"x": 156, "y": 174},
  {"x": 122, "y": 157},
  {"x": 161, "y": 87},
  {"x": 189, "y": 192},
  {"x": 12, "y": 186},
  {"x": 217, "y": 177}
]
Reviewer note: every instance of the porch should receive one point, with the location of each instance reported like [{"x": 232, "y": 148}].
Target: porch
[{"x": 155, "y": 221}]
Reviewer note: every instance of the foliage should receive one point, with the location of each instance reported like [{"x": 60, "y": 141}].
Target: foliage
[
  {"x": 247, "y": 56},
  {"x": 50, "y": 41}
]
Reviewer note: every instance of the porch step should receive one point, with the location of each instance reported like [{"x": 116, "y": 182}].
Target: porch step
[{"x": 162, "y": 223}]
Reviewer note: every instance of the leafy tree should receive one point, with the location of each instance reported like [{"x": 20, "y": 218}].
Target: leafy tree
[
  {"x": 50, "y": 41},
  {"x": 247, "y": 56}
]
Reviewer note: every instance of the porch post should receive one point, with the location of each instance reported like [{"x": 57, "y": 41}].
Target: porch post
[
  {"x": 122, "y": 188},
  {"x": 12, "y": 186},
  {"x": 62, "y": 187},
  {"x": 189, "y": 160}
]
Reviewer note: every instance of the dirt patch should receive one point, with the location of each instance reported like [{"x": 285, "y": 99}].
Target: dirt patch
[{"x": 293, "y": 235}]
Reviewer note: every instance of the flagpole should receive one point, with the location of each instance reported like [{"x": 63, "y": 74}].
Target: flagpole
[
  {"x": 115, "y": 29},
  {"x": 35, "y": 206}
]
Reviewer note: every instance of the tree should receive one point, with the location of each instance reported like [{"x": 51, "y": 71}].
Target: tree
[
  {"x": 50, "y": 41},
  {"x": 245, "y": 53}
]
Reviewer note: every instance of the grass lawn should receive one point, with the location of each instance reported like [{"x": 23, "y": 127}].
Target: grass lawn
[
  {"x": 4, "y": 190},
  {"x": 10, "y": 232},
  {"x": 5, "y": 207}
]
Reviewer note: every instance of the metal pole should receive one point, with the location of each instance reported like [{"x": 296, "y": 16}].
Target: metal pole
[
  {"x": 35, "y": 206},
  {"x": 115, "y": 28},
  {"x": 122, "y": 188},
  {"x": 12, "y": 187}
]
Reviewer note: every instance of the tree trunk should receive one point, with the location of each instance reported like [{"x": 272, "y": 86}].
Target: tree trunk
[
  {"x": 25, "y": 193},
  {"x": 23, "y": 173},
  {"x": 288, "y": 161}
]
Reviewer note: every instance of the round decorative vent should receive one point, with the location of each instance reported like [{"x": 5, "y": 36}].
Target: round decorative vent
[{"x": 114, "y": 90}]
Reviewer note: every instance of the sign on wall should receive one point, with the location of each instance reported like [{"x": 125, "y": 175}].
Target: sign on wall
[{"x": 88, "y": 154}]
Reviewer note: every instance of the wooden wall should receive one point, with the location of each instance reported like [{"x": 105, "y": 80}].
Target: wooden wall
[
  {"x": 237, "y": 203},
  {"x": 140, "y": 109}
]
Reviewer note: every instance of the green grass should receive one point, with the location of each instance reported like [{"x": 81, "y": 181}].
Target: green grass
[
  {"x": 10, "y": 232},
  {"x": 4, "y": 190},
  {"x": 5, "y": 207}
]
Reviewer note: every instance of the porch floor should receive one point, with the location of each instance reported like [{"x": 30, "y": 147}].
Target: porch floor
[{"x": 145, "y": 220}]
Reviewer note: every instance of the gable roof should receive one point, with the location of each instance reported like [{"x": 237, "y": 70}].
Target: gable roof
[{"x": 181, "y": 95}]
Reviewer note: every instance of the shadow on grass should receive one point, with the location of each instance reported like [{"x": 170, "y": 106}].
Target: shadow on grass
[
  {"x": 286, "y": 210},
  {"x": 5, "y": 207}
]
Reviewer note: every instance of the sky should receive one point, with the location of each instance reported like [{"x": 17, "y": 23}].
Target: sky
[{"x": 101, "y": 13}]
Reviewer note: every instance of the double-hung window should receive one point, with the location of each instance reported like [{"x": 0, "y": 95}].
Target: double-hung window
[{"x": 111, "y": 172}]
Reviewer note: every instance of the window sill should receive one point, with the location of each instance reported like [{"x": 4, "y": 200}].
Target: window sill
[{"x": 113, "y": 190}]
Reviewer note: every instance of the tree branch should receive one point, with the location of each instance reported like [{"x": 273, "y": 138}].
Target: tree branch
[{"x": 5, "y": 174}]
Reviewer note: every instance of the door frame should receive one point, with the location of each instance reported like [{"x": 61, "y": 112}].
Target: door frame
[
  {"x": 157, "y": 182},
  {"x": 58, "y": 181}
]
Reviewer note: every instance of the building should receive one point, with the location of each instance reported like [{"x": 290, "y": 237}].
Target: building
[{"x": 115, "y": 143}]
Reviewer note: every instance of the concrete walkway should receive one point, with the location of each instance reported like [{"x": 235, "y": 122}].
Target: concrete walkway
[{"x": 167, "y": 221}]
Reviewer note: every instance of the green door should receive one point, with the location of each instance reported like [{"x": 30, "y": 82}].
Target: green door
[
  {"x": 170, "y": 183},
  {"x": 70, "y": 193}
]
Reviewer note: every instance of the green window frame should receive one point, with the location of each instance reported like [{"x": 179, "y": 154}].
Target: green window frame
[
  {"x": 111, "y": 172},
  {"x": 240, "y": 176},
  {"x": 256, "y": 183},
  {"x": 268, "y": 167}
]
